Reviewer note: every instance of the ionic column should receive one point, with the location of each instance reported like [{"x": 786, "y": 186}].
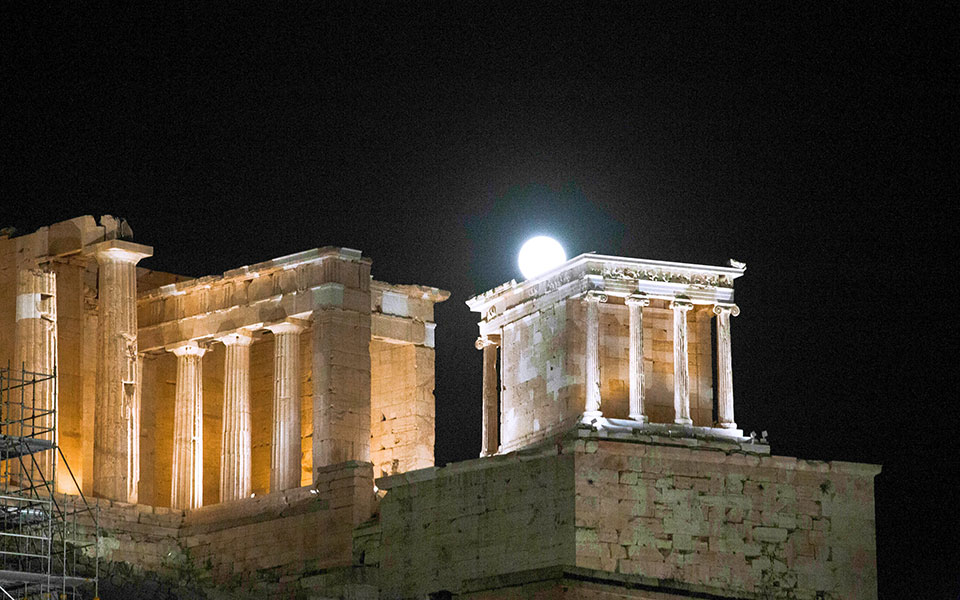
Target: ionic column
[
  {"x": 285, "y": 459},
  {"x": 186, "y": 489},
  {"x": 235, "y": 458},
  {"x": 636, "y": 302},
  {"x": 592, "y": 351},
  {"x": 116, "y": 440},
  {"x": 36, "y": 353},
  {"x": 724, "y": 365},
  {"x": 491, "y": 422},
  {"x": 681, "y": 368}
]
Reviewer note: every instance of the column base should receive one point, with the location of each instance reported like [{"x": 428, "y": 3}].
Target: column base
[
  {"x": 591, "y": 415},
  {"x": 682, "y": 421},
  {"x": 640, "y": 418},
  {"x": 730, "y": 425}
]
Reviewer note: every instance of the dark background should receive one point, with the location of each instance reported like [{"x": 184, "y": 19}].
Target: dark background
[{"x": 812, "y": 142}]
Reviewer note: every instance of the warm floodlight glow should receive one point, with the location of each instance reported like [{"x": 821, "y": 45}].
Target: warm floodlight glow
[{"x": 539, "y": 255}]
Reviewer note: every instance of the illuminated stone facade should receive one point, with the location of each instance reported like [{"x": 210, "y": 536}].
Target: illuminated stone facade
[
  {"x": 617, "y": 342},
  {"x": 269, "y": 432},
  {"x": 178, "y": 392}
]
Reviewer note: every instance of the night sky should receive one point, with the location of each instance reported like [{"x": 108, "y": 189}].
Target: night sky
[{"x": 813, "y": 143}]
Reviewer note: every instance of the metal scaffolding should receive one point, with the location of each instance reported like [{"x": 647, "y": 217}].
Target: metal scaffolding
[{"x": 49, "y": 542}]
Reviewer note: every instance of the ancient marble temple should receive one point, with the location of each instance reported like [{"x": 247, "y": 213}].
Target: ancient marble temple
[
  {"x": 273, "y": 428},
  {"x": 183, "y": 393}
]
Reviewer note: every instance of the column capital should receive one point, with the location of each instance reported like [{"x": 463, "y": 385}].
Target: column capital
[
  {"x": 732, "y": 309},
  {"x": 484, "y": 341},
  {"x": 288, "y": 326},
  {"x": 594, "y": 296},
  {"x": 637, "y": 300},
  {"x": 683, "y": 304},
  {"x": 187, "y": 349},
  {"x": 118, "y": 251},
  {"x": 241, "y": 337}
]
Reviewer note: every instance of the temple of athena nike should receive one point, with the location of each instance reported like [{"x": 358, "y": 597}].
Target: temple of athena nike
[{"x": 269, "y": 432}]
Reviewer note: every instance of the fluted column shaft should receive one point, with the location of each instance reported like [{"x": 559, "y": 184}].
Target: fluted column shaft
[
  {"x": 116, "y": 440},
  {"x": 635, "y": 304},
  {"x": 187, "y": 479},
  {"x": 681, "y": 367},
  {"x": 285, "y": 460},
  {"x": 724, "y": 365},
  {"x": 489, "y": 443},
  {"x": 235, "y": 482},
  {"x": 592, "y": 406},
  {"x": 36, "y": 352}
]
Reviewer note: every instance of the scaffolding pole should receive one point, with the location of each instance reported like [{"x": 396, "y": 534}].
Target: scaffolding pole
[{"x": 49, "y": 542}]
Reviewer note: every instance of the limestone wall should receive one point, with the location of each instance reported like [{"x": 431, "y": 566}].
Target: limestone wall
[
  {"x": 442, "y": 526},
  {"x": 402, "y": 407},
  {"x": 542, "y": 362},
  {"x": 672, "y": 516},
  {"x": 295, "y": 531},
  {"x": 772, "y": 525}
]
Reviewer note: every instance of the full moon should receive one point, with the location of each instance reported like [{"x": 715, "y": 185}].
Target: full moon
[{"x": 539, "y": 255}]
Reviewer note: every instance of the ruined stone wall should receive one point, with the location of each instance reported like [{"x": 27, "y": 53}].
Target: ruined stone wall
[
  {"x": 672, "y": 516},
  {"x": 542, "y": 361},
  {"x": 291, "y": 532},
  {"x": 541, "y": 375},
  {"x": 775, "y": 526},
  {"x": 440, "y": 527},
  {"x": 402, "y": 407}
]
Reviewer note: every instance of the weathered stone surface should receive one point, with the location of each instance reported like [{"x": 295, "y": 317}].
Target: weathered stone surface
[
  {"x": 706, "y": 521},
  {"x": 235, "y": 467},
  {"x": 116, "y": 457}
]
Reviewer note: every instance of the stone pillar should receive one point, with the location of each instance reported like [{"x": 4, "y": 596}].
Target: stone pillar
[
  {"x": 341, "y": 384},
  {"x": 724, "y": 365},
  {"x": 116, "y": 439},
  {"x": 187, "y": 480},
  {"x": 235, "y": 457},
  {"x": 592, "y": 408},
  {"x": 285, "y": 456},
  {"x": 36, "y": 354},
  {"x": 489, "y": 443},
  {"x": 635, "y": 304},
  {"x": 681, "y": 367}
]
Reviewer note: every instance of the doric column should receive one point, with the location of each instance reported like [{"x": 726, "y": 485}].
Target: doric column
[
  {"x": 235, "y": 458},
  {"x": 36, "y": 354},
  {"x": 285, "y": 458},
  {"x": 681, "y": 368},
  {"x": 187, "y": 480},
  {"x": 635, "y": 303},
  {"x": 724, "y": 365},
  {"x": 592, "y": 351},
  {"x": 489, "y": 443},
  {"x": 116, "y": 440}
]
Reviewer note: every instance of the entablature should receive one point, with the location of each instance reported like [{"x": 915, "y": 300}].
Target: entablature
[
  {"x": 290, "y": 287},
  {"x": 614, "y": 276}
]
